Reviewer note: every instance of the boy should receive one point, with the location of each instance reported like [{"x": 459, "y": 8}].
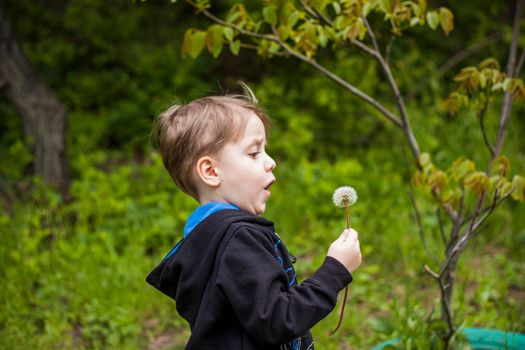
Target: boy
[{"x": 231, "y": 275}]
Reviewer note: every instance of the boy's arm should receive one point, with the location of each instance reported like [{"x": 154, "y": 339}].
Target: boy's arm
[{"x": 256, "y": 287}]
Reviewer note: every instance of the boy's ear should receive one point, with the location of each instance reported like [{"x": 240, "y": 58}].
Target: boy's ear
[{"x": 206, "y": 171}]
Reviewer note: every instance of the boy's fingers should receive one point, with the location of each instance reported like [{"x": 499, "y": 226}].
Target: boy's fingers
[
  {"x": 352, "y": 234},
  {"x": 345, "y": 234}
]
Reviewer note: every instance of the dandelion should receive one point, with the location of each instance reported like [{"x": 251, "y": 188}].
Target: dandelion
[{"x": 344, "y": 197}]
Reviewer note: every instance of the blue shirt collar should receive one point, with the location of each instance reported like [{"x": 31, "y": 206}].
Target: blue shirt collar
[{"x": 203, "y": 212}]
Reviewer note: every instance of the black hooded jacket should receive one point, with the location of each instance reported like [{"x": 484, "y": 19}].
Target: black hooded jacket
[{"x": 233, "y": 281}]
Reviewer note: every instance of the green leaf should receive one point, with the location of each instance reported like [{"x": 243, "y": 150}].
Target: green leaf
[
  {"x": 214, "y": 40},
  {"x": 270, "y": 15},
  {"x": 433, "y": 19},
  {"x": 193, "y": 43},
  {"x": 478, "y": 182},
  {"x": 461, "y": 167},
  {"x": 229, "y": 33},
  {"x": 490, "y": 62},
  {"x": 386, "y": 5},
  {"x": 294, "y": 17},
  {"x": 424, "y": 159},
  {"x": 518, "y": 182},
  {"x": 506, "y": 84},
  {"x": 446, "y": 19},
  {"x": 337, "y": 7},
  {"x": 283, "y": 31},
  {"x": 414, "y": 21},
  {"x": 437, "y": 180},
  {"x": 235, "y": 46},
  {"x": 323, "y": 39},
  {"x": 368, "y": 7},
  {"x": 451, "y": 197},
  {"x": 500, "y": 166}
]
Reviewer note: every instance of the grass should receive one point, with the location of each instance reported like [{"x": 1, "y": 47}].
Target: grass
[{"x": 73, "y": 274}]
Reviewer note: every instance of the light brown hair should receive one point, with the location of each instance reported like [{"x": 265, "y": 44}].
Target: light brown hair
[{"x": 184, "y": 133}]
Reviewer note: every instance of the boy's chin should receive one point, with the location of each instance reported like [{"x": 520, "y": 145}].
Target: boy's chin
[{"x": 261, "y": 210}]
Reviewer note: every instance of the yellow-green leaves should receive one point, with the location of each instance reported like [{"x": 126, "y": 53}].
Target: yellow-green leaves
[
  {"x": 478, "y": 182},
  {"x": 424, "y": 159},
  {"x": 235, "y": 47},
  {"x": 446, "y": 20},
  {"x": 193, "y": 43},
  {"x": 461, "y": 167},
  {"x": 518, "y": 183},
  {"x": 195, "y": 40},
  {"x": 270, "y": 14},
  {"x": 214, "y": 40},
  {"x": 449, "y": 185},
  {"x": 441, "y": 17},
  {"x": 306, "y": 38},
  {"x": 433, "y": 19},
  {"x": 304, "y": 32},
  {"x": 500, "y": 166},
  {"x": 477, "y": 84}
]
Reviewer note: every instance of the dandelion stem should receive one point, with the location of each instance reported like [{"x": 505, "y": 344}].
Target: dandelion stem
[
  {"x": 347, "y": 218},
  {"x": 346, "y": 288}
]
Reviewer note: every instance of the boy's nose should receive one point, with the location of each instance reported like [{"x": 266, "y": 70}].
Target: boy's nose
[{"x": 270, "y": 163}]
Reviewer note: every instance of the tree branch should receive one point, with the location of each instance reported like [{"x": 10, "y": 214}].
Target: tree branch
[
  {"x": 511, "y": 65},
  {"x": 462, "y": 243},
  {"x": 444, "y": 302},
  {"x": 395, "y": 89},
  {"x": 339, "y": 80}
]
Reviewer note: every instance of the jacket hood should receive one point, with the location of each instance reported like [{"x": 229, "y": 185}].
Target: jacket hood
[{"x": 183, "y": 275}]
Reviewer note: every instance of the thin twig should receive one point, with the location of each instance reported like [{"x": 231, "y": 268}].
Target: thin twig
[
  {"x": 441, "y": 228},
  {"x": 442, "y": 287},
  {"x": 388, "y": 49},
  {"x": 389, "y": 115},
  {"x": 482, "y": 126},
  {"x": 255, "y": 48},
  {"x": 371, "y": 34},
  {"x": 461, "y": 244},
  {"x": 315, "y": 14},
  {"x": 520, "y": 63},
  {"x": 417, "y": 214},
  {"x": 486, "y": 209},
  {"x": 237, "y": 28},
  {"x": 455, "y": 60}
]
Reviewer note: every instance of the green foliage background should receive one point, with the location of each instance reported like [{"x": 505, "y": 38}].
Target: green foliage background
[{"x": 73, "y": 274}]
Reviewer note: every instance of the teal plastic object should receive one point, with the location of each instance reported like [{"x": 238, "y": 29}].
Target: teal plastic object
[{"x": 482, "y": 339}]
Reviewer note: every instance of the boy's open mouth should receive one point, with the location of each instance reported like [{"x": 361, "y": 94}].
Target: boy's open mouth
[{"x": 269, "y": 185}]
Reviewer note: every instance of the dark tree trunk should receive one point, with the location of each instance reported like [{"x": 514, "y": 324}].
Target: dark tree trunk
[{"x": 43, "y": 115}]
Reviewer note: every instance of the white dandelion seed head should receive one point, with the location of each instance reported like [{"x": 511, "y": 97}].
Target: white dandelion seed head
[{"x": 344, "y": 196}]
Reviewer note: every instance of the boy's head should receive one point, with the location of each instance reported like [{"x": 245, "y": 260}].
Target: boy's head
[{"x": 209, "y": 146}]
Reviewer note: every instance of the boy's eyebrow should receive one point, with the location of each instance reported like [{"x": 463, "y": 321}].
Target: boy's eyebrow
[{"x": 256, "y": 141}]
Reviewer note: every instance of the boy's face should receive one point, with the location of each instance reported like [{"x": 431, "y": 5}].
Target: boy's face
[{"x": 245, "y": 169}]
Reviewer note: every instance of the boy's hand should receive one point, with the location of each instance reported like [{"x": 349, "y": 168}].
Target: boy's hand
[{"x": 346, "y": 250}]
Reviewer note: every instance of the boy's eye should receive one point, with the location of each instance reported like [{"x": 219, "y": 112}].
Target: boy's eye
[{"x": 254, "y": 154}]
